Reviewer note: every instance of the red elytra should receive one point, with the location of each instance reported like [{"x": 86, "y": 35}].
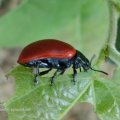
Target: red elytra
[{"x": 47, "y": 48}]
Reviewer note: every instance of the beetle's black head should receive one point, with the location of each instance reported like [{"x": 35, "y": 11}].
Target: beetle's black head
[{"x": 82, "y": 61}]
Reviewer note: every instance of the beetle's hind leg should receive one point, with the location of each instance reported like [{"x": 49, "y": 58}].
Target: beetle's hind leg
[
  {"x": 45, "y": 72},
  {"x": 74, "y": 74},
  {"x": 80, "y": 69},
  {"x": 36, "y": 75},
  {"x": 62, "y": 72},
  {"x": 57, "y": 73},
  {"x": 54, "y": 76}
]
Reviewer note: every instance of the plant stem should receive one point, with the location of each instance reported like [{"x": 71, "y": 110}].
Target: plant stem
[{"x": 112, "y": 35}]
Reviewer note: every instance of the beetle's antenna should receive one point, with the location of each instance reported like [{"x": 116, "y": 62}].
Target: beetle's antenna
[
  {"x": 99, "y": 71},
  {"x": 92, "y": 58},
  {"x": 95, "y": 69}
]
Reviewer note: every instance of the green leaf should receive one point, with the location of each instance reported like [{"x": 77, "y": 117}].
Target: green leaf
[{"x": 51, "y": 103}]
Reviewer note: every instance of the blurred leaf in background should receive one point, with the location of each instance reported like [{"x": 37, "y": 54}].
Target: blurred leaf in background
[{"x": 71, "y": 21}]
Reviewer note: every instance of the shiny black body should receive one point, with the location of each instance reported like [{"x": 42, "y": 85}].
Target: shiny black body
[{"x": 77, "y": 62}]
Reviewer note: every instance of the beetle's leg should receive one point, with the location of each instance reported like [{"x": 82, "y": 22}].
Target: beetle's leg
[
  {"x": 53, "y": 77},
  {"x": 80, "y": 69},
  {"x": 84, "y": 69},
  {"x": 36, "y": 75},
  {"x": 74, "y": 74},
  {"x": 62, "y": 72},
  {"x": 45, "y": 72}
]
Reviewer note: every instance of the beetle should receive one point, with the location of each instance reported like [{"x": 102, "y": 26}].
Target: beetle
[{"x": 54, "y": 54}]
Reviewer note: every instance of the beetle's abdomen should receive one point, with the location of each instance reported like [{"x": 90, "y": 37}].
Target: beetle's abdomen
[{"x": 48, "y": 48}]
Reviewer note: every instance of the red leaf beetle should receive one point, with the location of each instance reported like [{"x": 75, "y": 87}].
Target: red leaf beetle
[{"x": 53, "y": 54}]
